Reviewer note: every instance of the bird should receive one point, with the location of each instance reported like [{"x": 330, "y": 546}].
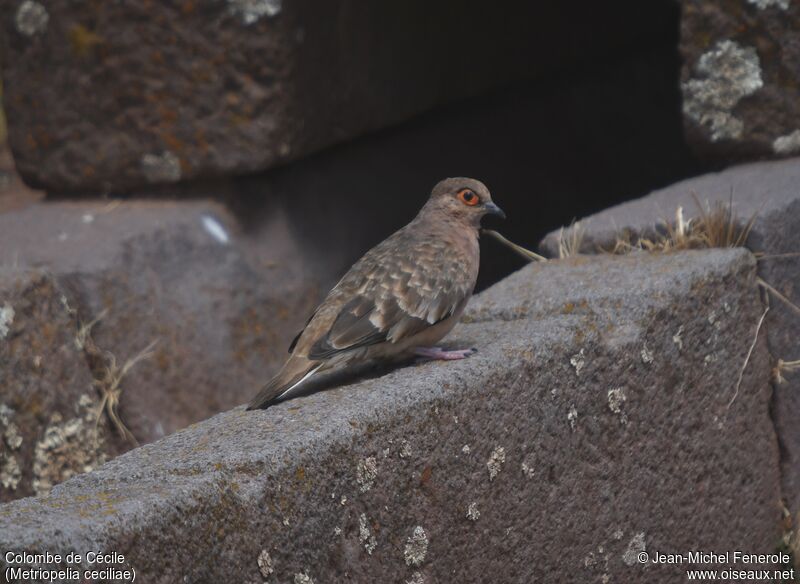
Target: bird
[{"x": 401, "y": 298}]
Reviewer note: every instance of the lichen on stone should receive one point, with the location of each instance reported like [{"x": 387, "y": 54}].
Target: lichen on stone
[
  {"x": 528, "y": 468},
  {"x": 678, "y": 339},
  {"x": 303, "y": 578},
  {"x": 635, "y": 546},
  {"x": 788, "y": 144},
  {"x": 723, "y": 76},
  {"x": 416, "y": 547},
  {"x": 473, "y": 513},
  {"x": 416, "y": 578},
  {"x": 68, "y": 447},
  {"x": 764, "y": 4},
  {"x": 405, "y": 449},
  {"x": 251, "y": 11},
  {"x": 496, "y": 461},
  {"x": 572, "y": 417},
  {"x": 578, "y": 361},
  {"x": 6, "y": 413},
  {"x": 10, "y": 473},
  {"x": 365, "y": 535},
  {"x": 6, "y": 319},
  {"x": 265, "y": 565},
  {"x": 616, "y": 399},
  {"x": 12, "y": 436},
  {"x": 160, "y": 168},
  {"x": 31, "y": 18},
  {"x": 366, "y": 473},
  {"x": 647, "y": 355}
]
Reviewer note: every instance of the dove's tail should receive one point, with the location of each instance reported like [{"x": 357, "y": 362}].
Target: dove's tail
[{"x": 296, "y": 371}]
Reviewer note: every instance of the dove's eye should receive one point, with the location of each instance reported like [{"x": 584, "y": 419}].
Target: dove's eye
[{"x": 467, "y": 197}]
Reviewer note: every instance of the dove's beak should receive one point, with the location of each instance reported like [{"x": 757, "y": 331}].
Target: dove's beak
[{"x": 492, "y": 209}]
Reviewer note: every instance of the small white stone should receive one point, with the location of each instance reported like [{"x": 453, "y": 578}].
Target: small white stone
[
  {"x": 647, "y": 355},
  {"x": 343, "y": 500},
  {"x": 416, "y": 578},
  {"x": 465, "y": 449},
  {"x": 405, "y": 449},
  {"x": 215, "y": 229}
]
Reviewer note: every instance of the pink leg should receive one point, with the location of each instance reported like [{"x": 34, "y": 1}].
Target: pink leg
[{"x": 440, "y": 354}]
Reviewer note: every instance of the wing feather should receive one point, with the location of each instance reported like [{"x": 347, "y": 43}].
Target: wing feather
[{"x": 393, "y": 297}]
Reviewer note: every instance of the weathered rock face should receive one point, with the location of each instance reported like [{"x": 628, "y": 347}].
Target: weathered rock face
[
  {"x": 220, "y": 304},
  {"x": 51, "y": 426},
  {"x": 768, "y": 191},
  {"x": 741, "y": 78},
  {"x": 572, "y": 429},
  {"x": 156, "y": 92}
]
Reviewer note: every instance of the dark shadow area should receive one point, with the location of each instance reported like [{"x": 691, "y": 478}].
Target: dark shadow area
[
  {"x": 565, "y": 145},
  {"x": 553, "y": 150}
]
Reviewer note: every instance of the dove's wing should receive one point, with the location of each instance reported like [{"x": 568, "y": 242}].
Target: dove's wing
[{"x": 394, "y": 292}]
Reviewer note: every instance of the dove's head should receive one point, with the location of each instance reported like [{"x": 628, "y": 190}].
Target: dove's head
[{"x": 465, "y": 200}]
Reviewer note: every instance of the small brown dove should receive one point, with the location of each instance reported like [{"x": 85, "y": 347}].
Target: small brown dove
[{"x": 400, "y": 298}]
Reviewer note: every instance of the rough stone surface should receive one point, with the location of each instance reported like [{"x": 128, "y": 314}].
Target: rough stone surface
[
  {"x": 49, "y": 428},
  {"x": 770, "y": 192},
  {"x": 155, "y": 92},
  {"x": 687, "y": 471},
  {"x": 221, "y": 303},
  {"x": 741, "y": 77}
]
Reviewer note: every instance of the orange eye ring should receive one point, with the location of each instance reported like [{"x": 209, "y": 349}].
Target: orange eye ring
[{"x": 467, "y": 197}]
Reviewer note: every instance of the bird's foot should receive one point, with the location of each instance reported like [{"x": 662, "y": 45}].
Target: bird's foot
[{"x": 440, "y": 354}]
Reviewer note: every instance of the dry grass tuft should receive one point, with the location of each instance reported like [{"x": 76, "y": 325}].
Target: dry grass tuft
[
  {"x": 570, "y": 241},
  {"x": 107, "y": 374},
  {"x": 108, "y": 383},
  {"x": 749, "y": 354},
  {"x": 784, "y": 367},
  {"x": 715, "y": 226}
]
